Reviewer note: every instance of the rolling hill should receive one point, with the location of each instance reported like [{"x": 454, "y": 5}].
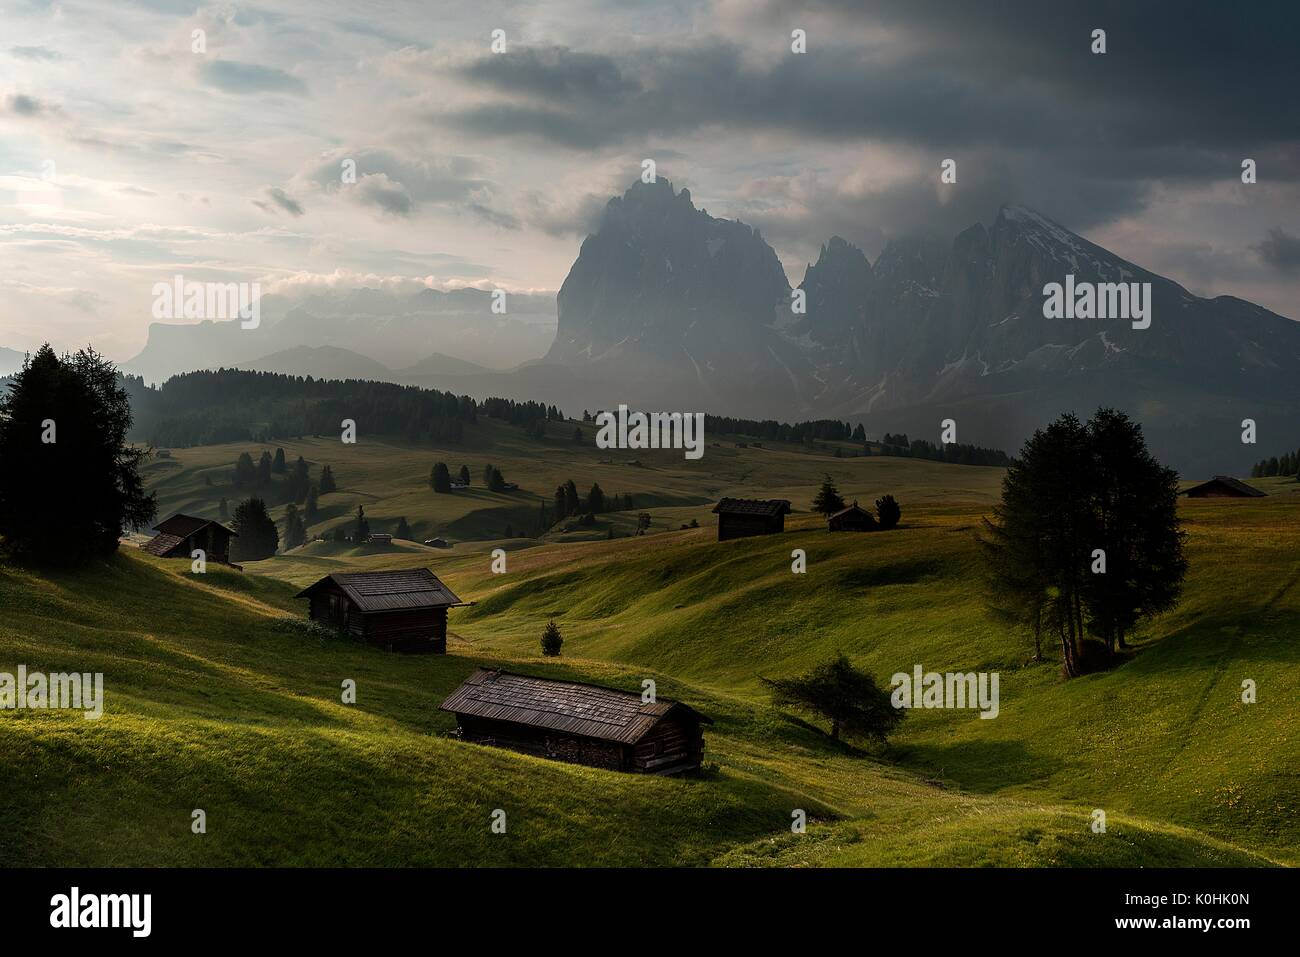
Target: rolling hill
[
  {"x": 218, "y": 698},
  {"x": 1161, "y": 743}
]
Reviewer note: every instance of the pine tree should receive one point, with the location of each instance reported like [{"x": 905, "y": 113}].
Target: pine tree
[
  {"x": 828, "y": 500},
  {"x": 313, "y": 503},
  {"x": 295, "y": 532},
  {"x": 572, "y": 504},
  {"x": 256, "y": 535},
  {"x": 552, "y": 640},
  {"x": 440, "y": 478},
  {"x": 264, "y": 470},
  {"x": 403, "y": 530},
  {"x": 595, "y": 500},
  {"x": 464, "y": 475},
  {"x": 361, "y": 527},
  {"x": 277, "y": 465},
  {"x": 245, "y": 471},
  {"x": 299, "y": 481},
  {"x": 69, "y": 480},
  {"x": 887, "y": 511},
  {"x": 327, "y": 483},
  {"x": 561, "y": 504}
]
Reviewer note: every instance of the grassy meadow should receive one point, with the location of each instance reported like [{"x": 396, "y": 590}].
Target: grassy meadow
[{"x": 219, "y": 697}]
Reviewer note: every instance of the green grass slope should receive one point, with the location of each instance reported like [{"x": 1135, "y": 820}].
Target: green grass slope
[
  {"x": 1164, "y": 736},
  {"x": 218, "y": 699}
]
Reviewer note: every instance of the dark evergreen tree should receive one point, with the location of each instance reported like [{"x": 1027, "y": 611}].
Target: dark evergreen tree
[
  {"x": 403, "y": 530},
  {"x": 295, "y": 532},
  {"x": 256, "y": 535},
  {"x": 464, "y": 475},
  {"x": 1135, "y": 513},
  {"x": 299, "y": 480},
  {"x": 561, "y": 504},
  {"x": 327, "y": 483},
  {"x": 440, "y": 478},
  {"x": 887, "y": 511},
  {"x": 360, "y": 527},
  {"x": 245, "y": 475},
  {"x": 552, "y": 640},
  {"x": 264, "y": 470},
  {"x": 827, "y": 500},
  {"x": 313, "y": 503},
  {"x": 69, "y": 481},
  {"x": 595, "y": 500},
  {"x": 572, "y": 503},
  {"x": 277, "y": 464}
]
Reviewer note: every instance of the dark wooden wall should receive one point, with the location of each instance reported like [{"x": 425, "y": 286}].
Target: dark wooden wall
[
  {"x": 413, "y": 630},
  {"x": 676, "y": 740},
  {"x": 852, "y": 523},
  {"x": 544, "y": 743},
  {"x": 742, "y": 526}
]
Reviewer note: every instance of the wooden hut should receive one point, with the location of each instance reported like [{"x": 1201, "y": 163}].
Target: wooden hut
[
  {"x": 1223, "y": 486},
  {"x": 855, "y": 518},
  {"x": 380, "y": 538},
  {"x": 404, "y": 610},
  {"x": 578, "y": 723},
  {"x": 180, "y": 535},
  {"x": 742, "y": 517}
]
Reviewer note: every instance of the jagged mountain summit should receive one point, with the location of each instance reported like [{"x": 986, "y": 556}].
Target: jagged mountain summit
[
  {"x": 664, "y": 292},
  {"x": 673, "y": 305}
]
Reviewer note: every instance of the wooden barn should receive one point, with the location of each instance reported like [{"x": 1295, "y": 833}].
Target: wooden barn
[
  {"x": 855, "y": 518},
  {"x": 1223, "y": 486},
  {"x": 578, "y": 723},
  {"x": 181, "y": 534},
  {"x": 742, "y": 517},
  {"x": 404, "y": 610}
]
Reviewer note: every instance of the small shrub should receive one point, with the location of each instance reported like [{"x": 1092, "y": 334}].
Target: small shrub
[{"x": 551, "y": 640}]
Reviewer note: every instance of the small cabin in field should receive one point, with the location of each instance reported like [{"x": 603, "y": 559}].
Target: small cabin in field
[
  {"x": 403, "y": 610},
  {"x": 180, "y": 535},
  {"x": 1223, "y": 486},
  {"x": 380, "y": 538},
  {"x": 579, "y": 723},
  {"x": 742, "y": 517},
  {"x": 855, "y": 518}
]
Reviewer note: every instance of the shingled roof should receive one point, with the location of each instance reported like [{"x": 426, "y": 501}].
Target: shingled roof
[
  {"x": 1241, "y": 488},
  {"x": 161, "y": 544},
  {"x": 390, "y": 590},
  {"x": 572, "y": 707},
  {"x": 855, "y": 507},
  {"x": 753, "y": 506},
  {"x": 183, "y": 526}
]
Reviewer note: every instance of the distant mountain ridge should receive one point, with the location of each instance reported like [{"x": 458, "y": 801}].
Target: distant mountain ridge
[
  {"x": 392, "y": 330},
  {"x": 678, "y": 306}
]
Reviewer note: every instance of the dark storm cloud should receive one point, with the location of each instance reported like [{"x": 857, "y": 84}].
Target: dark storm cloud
[
  {"x": 1009, "y": 88},
  {"x": 1281, "y": 251}
]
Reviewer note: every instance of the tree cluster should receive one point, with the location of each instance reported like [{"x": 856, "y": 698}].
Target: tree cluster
[{"x": 1086, "y": 538}]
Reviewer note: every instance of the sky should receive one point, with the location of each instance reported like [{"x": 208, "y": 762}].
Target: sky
[{"x": 130, "y": 152}]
